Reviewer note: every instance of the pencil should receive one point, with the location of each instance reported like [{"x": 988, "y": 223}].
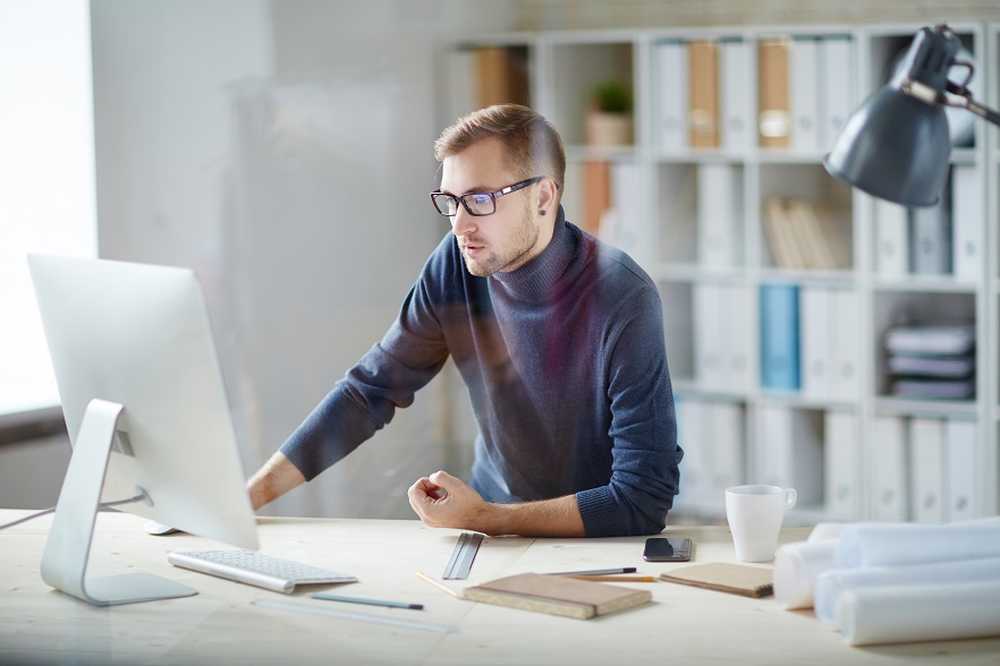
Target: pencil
[
  {"x": 617, "y": 579},
  {"x": 594, "y": 572},
  {"x": 444, "y": 588},
  {"x": 364, "y": 600}
]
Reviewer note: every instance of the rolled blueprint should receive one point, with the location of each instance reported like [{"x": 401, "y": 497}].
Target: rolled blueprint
[
  {"x": 832, "y": 584},
  {"x": 826, "y": 532},
  {"x": 796, "y": 567},
  {"x": 902, "y": 614},
  {"x": 873, "y": 544}
]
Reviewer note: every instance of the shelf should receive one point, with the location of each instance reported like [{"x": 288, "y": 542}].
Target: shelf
[
  {"x": 585, "y": 153},
  {"x": 774, "y": 156},
  {"x": 889, "y": 406},
  {"x": 925, "y": 283},
  {"x": 692, "y": 387},
  {"x": 844, "y": 278},
  {"x": 799, "y": 401},
  {"x": 702, "y": 156},
  {"x": 685, "y": 272}
]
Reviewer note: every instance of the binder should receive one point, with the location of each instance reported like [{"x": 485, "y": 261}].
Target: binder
[
  {"x": 710, "y": 368},
  {"x": 927, "y": 447},
  {"x": 841, "y": 464},
  {"x": 703, "y": 94},
  {"x": 696, "y": 467},
  {"x": 596, "y": 194},
  {"x": 817, "y": 345},
  {"x": 845, "y": 349},
  {"x": 737, "y": 346},
  {"x": 960, "y": 442},
  {"x": 720, "y": 206},
  {"x": 967, "y": 222},
  {"x": 773, "y": 103},
  {"x": 502, "y": 77},
  {"x": 736, "y": 75},
  {"x": 891, "y": 253},
  {"x": 805, "y": 94},
  {"x": 930, "y": 237},
  {"x": 779, "y": 336},
  {"x": 623, "y": 234},
  {"x": 724, "y": 428},
  {"x": 789, "y": 451},
  {"x": 672, "y": 68},
  {"x": 837, "y": 87},
  {"x": 890, "y": 499}
]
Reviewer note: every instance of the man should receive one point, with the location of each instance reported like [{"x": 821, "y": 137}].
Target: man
[{"x": 558, "y": 337}]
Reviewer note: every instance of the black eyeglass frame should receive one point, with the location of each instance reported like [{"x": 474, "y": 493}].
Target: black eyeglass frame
[{"x": 503, "y": 191}]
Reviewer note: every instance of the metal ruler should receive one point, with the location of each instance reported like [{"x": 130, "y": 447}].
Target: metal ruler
[{"x": 463, "y": 556}]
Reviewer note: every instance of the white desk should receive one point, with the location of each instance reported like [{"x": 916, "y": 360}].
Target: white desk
[{"x": 684, "y": 625}]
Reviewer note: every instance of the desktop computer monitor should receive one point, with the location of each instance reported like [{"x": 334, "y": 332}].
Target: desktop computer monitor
[{"x": 146, "y": 411}]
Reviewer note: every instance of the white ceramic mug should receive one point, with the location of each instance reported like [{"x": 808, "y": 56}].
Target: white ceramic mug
[{"x": 755, "y": 514}]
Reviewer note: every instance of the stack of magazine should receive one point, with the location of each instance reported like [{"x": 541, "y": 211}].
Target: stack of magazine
[{"x": 932, "y": 362}]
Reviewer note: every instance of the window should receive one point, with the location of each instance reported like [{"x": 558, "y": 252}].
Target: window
[{"x": 47, "y": 190}]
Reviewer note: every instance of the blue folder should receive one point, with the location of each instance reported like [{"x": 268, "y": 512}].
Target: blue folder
[{"x": 779, "y": 337}]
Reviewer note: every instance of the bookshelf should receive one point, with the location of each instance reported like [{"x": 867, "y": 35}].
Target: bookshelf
[{"x": 668, "y": 233}]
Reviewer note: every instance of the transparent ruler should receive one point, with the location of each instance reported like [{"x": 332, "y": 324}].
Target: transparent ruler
[{"x": 463, "y": 556}]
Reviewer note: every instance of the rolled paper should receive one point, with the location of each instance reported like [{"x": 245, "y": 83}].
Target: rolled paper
[
  {"x": 832, "y": 584},
  {"x": 826, "y": 531},
  {"x": 906, "y": 614},
  {"x": 873, "y": 544},
  {"x": 796, "y": 568}
]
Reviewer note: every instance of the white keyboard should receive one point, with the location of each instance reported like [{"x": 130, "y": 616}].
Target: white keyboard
[{"x": 253, "y": 568}]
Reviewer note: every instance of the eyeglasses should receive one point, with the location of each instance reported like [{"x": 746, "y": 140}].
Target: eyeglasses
[{"x": 476, "y": 203}]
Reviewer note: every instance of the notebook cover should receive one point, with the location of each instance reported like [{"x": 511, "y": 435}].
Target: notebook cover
[
  {"x": 557, "y": 595},
  {"x": 724, "y": 577}
]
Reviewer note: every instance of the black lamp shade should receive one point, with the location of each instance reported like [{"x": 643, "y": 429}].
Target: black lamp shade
[{"x": 894, "y": 147}]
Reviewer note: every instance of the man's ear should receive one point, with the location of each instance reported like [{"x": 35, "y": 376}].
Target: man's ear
[{"x": 548, "y": 194}]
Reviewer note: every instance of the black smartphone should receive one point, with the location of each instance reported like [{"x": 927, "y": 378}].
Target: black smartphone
[{"x": 660, "y": 549}]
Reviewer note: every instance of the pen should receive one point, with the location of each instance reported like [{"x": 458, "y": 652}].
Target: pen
[
  {"x": 364, "y": 600},
  {"x": 595, "y": 572}
]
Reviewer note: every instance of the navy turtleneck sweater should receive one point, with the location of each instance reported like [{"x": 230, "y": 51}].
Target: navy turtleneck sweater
[{"x": 565, "y": 363}]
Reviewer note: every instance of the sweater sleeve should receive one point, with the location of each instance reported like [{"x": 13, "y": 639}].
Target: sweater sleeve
[
  {"x": 645, "y": 454},
  {"x": 409, "y": 355}
]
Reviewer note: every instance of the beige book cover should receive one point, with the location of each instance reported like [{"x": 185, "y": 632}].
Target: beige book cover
[
  {"x": 773, "y": 96},
  {"x": 741, "y": 579},
  {"x": 703, "y": 94},
  {"x": 557, "y": 595}
]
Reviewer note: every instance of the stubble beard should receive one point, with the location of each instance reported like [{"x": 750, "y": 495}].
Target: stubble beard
[{"x": 521, "y": 243}]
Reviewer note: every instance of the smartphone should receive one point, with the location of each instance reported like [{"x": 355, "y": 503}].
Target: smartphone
[{"x": 660, "y": 549}]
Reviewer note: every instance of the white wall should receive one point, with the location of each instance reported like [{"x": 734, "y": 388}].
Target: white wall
[{"x": 284, "y": 150}]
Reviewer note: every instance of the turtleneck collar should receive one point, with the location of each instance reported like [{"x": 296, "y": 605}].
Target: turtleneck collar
[{"x": 535, "y": 280}]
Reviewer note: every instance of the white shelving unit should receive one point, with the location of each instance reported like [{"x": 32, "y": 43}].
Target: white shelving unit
[{"x": 566, "y": 65}]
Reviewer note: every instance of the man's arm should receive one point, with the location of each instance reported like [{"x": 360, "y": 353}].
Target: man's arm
[
  {"x": 386, "y": 378},
  {"x": 441, "y": 500}
]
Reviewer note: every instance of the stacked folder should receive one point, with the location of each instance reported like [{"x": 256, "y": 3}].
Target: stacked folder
[{"x": 932, "y": 362}]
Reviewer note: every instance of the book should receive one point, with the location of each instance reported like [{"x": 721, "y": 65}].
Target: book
[
  {"x": 774, "y": 105},
  {"x": 741, "y": 579},
  {"x": 557, "y": 595},
  {"x": 779, "y": 337},
  {"x": 703, "y": 94}
]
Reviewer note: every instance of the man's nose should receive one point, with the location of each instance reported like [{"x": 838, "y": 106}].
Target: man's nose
[{"x": 462, "y": 223}]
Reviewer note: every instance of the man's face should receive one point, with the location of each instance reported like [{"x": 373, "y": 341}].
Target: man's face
[{"x": 508, "y": 238}]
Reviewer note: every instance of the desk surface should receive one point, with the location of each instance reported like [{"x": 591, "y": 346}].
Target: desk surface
[{"x": 220, "y": 625}]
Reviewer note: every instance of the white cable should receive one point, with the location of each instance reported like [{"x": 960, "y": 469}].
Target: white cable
[{"x": 103, "y": 505}]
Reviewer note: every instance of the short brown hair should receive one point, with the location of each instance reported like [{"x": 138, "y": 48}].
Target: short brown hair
[{"x": 533, "y": 145}]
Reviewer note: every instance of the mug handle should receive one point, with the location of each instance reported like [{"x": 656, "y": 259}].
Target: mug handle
[{"x": 791, "y": 497}]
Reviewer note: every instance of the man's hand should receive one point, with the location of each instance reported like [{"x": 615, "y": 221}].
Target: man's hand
[
  {"x": 441, "y": 500},
  {"x": 274, "y": 479}
]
